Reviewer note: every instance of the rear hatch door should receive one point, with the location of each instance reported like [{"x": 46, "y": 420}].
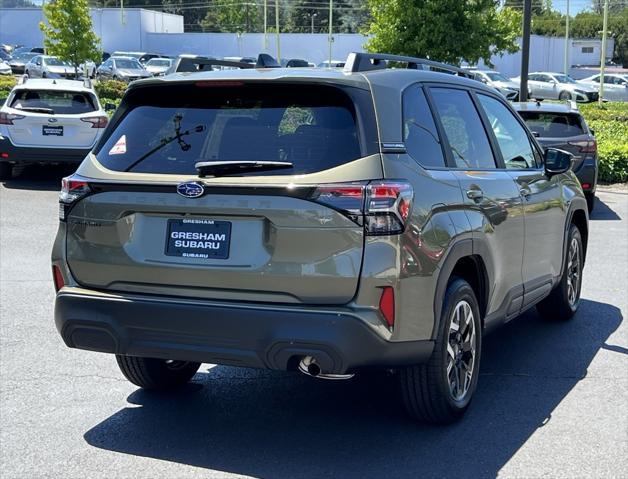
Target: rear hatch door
[{"x": 259, "y": 236}]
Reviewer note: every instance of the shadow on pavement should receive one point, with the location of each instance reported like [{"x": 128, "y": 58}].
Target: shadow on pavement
[
  {"x": 272, "y": 424},
  {"x": 40, "y": 178},
  {"x": 603, "y": 212}
]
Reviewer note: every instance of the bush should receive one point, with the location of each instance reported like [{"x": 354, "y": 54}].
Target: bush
[
  {"x": 610, "y": 125},
  {"x": 110, "y": 90},
  {"x": 6, "y": 84}
]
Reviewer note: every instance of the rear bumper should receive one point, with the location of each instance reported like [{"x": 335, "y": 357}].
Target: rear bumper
[
  {"x": 26, "y": 155},
  {"x": 260, "y": 336},
  {"x": 587, "y": 174}
]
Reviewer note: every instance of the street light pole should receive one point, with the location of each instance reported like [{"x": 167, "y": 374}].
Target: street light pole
[
  {"x": 603, "y": 53},
  {"x": 312, "y": 16},
  {"x": 265, "y": 25},
  {"x": 567, "y": 41},
  {"x": 525, "y": 50},
  {"x": 277, "y": 30},
  {"x": 331, "y": 22}
]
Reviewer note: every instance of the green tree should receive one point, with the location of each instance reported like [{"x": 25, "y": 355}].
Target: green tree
[
  {"x": 68, "y": 32},
  {"x": 539, "y": 7},
  {"x": 443, "y": 30},
  {"x": 614, "y": 6},
  {"x": 230, "y": 16}
]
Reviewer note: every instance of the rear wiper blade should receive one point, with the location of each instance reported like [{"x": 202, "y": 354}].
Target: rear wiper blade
[
  {"x": 221, "y": 168},
  {"x": 36, "y": 109}
]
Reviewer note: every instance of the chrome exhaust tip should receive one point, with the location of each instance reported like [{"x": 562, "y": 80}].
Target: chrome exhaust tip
[{"x": 310, "y": 367}]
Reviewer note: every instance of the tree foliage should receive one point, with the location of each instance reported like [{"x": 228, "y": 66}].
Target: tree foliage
[
  {"x": 68, "y": 32},
  {"x": 444, "y": 30}
]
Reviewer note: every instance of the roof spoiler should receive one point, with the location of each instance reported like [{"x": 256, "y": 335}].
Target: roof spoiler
[{"x": 364, "y": 62}]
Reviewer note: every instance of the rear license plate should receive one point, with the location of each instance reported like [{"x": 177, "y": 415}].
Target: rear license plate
[
  {"x": 197, "y": 238},
  {"x": 48, "y": 130}
]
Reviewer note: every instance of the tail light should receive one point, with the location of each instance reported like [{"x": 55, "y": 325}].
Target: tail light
[
  {"x": 73, "y": 188},
  {"x": 57, "y": 277},
  {"x": 97, "y": 121},
  {"x": 586, "y": 146},
  {"x": 382, "y": 207},
  {"x": 387, "y": 305},
  {"x": 8, "y": 118}
]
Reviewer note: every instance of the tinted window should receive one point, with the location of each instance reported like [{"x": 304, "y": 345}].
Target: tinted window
[
  {"x": 553, "y": 125},
  {"x": 59, "y": 102},
  {"x": 469, "y": 145},
  {"x": 419, "y": 131},
  {"x": 512, "y": 138},
  {"x": 174, "y": 127}
]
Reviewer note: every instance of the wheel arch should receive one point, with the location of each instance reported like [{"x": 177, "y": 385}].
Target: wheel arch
[
  {"x": 578, "y": 216},
  {"x": 463, "y": 262}
]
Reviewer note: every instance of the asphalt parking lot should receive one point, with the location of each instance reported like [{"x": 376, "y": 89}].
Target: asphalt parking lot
[{"x": 552, "y": 398}]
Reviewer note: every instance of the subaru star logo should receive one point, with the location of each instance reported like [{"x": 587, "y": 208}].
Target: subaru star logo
[
  {"x": 191, "y": 189},
  {"x": 52, "y": 120}
]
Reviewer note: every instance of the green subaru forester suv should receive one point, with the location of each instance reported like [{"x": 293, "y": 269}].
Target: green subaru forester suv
[{"x": 321, "y": 220}]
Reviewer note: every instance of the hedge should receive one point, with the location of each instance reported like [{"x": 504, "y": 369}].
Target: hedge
[{"x": 610, "y": 125}]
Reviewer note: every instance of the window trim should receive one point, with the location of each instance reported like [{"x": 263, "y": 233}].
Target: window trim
[{"x": 450, "y": 162}]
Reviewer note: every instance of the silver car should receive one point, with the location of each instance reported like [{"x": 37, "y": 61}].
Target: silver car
[
  {"x": 615, "y": 85},
  {"x": 558, "y": 86},
  {"x": 504, "y": 85},
  {"x": 158, "y": 66},
  {"x": 123, "y": 69},
  {"x": 44, "y": 66}
]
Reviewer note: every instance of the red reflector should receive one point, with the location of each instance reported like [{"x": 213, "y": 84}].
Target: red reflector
[
  {"x": 387, "y": 305},
  {"x": 4, "y": 155},
  {"x": 211, "y": 84},
  {"x": 57, "y": 278},
  {"x": 586, "y": 186}
]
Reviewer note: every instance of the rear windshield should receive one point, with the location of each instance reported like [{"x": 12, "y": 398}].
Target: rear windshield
[
  {"x": 554, "y": 125},
  {"x": 170, "y": 130},
  {"x": 57, "y": 101}
]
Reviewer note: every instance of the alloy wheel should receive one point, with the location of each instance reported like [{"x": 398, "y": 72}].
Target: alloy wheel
[
  {"x": 573, "y": 272},
  {"x": 461, "y": 350}
]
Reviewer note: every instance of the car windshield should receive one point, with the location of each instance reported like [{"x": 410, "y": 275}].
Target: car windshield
[
  {"x": 54, "y": 101},
  {"x": 564, "y": 79},
  {"x": 170, "y": 129},
  {"x": 158, "y": 62},
  {"x": 130, "y": 64},
  {"x": 553, "y": 125},
  {"x": 494, "y": 76},
  {"x": 55, "y": 62}
]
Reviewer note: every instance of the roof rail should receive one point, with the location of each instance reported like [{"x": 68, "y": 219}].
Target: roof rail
[
  {"x": 87, "y": 82},
  {"x": 364, "y": 62}
]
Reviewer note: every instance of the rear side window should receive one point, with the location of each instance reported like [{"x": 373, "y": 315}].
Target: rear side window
[
  {"x": 169, "y": 129},
  {"x": 469, "y": 144},
  {"x": 554, "y": 125},
  {"x": 54, "y": 101},
  {"x": 419, "y": 131}
]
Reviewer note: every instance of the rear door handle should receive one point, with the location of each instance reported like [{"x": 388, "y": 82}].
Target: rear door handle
[{"x": 475, "y": 194}]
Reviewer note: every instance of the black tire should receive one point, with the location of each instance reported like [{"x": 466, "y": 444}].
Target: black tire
[
  {"x": 158, "y": 374},
  {"x": 6, "y": 171},
  {"x": 590, "y": 201},
  {"x": 43, "y": 75},
  {"x": 564, "y": 95},
  {"x": 426, "y": 388},
  {"x": 560, "y": 305}
]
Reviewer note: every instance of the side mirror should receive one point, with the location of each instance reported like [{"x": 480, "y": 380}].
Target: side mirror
[
  {"x": 557, "y": 161},
  {"x": 110, "y": 106}
]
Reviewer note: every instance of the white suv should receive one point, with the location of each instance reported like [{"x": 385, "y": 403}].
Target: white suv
[{"x": 49, "y": 121}]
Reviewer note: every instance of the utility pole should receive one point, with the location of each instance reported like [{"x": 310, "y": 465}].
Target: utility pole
[
  {"x": 277, "y": 31},
  {"x": 331, "y": 24},
  {"x": 312, "y": 17},
  {"x": 265, "y": 25},
  {"x": 122, "y": 12},
  {"x": 525, "y": 50},
  {"x": 603, "y": 54},
  {"x": 567, "y": 41},
  {"x": 248, "y": 20}
]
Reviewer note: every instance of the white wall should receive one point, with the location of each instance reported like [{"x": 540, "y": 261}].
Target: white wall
[
  {"x": 116, "y": 31},
  {"x": 314, "y": 48},
  {"x": 547, "y": 54}
]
